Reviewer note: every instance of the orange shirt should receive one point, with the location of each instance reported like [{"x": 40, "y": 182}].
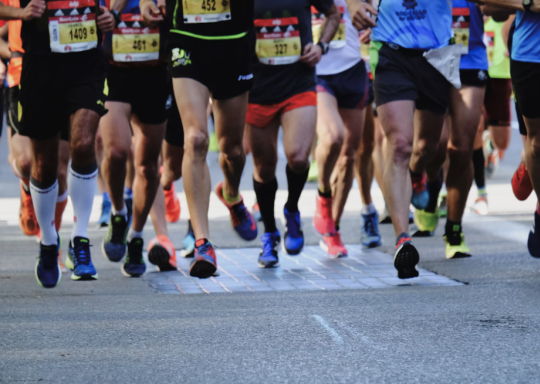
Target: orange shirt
[{"x": 15, "y": 45}]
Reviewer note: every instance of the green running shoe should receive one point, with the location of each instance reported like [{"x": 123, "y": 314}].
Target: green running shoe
[
  {"x": 426, "y": 221},
  {"x": 456, "y": 247}
]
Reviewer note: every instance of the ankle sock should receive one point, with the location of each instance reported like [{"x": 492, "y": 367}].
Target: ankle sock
[
  {"x": 368, "y": 209},
  {"x": 122, "y": 212},
  {"x": 132, "y": 234}
]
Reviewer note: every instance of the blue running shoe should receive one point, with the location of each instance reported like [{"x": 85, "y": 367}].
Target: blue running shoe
[
  {"x": 105, "y": 213},
  {"x": 188, "y": 244},
  {"x": 114, "y": 244},
  {"x": 205, "y": 263},
  {"x": 370, "y": 236},
  {"x": 533, "y": 243},
  {"x": 294, "y": 237},
  {"x": 242, "y": 220},
  {"x": 269, "y": 254},
  {"x": 81, "y": 260},
  {"x": 420, "y": 194},
  {"x": 48, "y": 272},
  {"x": 134, "y": 265}
]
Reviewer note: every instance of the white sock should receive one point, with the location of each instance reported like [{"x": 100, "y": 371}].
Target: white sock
[
  {"x": 63, "y": 197},
  {"x": 81, "y": 189},
  {"x": 122, "y": 212},
  {"x": 45, "y": 205},
  {"x": 133, "y": 234},
  {"x": 368, "y": 209}
]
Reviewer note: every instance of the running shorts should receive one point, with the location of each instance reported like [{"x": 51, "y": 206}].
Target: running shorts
[
  {"x": 222, "y": 66},
  {"x": 521, "y": 121},
  {"x": 55, "y": 86},
  {"x": 404, "y": 74},
  {"x": 174, "y": 134},
  {"x": 146, "y": 89},
  {"x": 497, "y": 102},
  {"x": 526, "y": 81},
  {"x": 261, "y": 116},
  {"x": 474, "y": 77},
  {"x": 350, "y": 87}
]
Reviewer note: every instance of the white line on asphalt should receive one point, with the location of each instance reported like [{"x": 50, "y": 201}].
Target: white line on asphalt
[{"x": 337, "y": 338}]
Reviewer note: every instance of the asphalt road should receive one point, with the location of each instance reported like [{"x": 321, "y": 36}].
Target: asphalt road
[{"x": 124, "y": 330}]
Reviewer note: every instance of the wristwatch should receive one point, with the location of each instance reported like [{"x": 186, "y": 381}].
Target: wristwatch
[
  {"x": 117, "y": 17},
  {"x": 527, "y": 4},
  {"x": 324, "y": 46}
]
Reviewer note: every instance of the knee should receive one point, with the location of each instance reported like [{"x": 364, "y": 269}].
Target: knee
[
  {"x": 231, "y": 152},
  {"x": 118, "y": 156},
  {"x": 534, "y": 146},
  {"x": 401, "y": 150},
  {"x": 424, "y": 149},
  {"x": 24, "y": 165},
  {"x": 265, "y": 169},
  {"x": 366, "y": 150},
  {"x": 298, "y": 164},
  {"x": 333, "y": 140},
  {"x": 196, "y": 141},
  {"x": 147, "y": 171}
]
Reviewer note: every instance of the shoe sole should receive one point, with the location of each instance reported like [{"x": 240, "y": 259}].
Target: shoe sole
[
  {"x": 45, "y": 286},
  {"x": 222, "y": 199},
  {"x": 459, "y": 255},
  {"x": 288, "y": 252},
  {"x": 202, "y": 269},
  {"x": 85, "y": 277},
  {"x": 373, "y": 244},
  {"x": 405, "y": 261},
  {"x": 107, "y": 257},
  {"x": 130, "y": 274},
  {"x": 160, "y": 257},
  {"x": 323, "y": 246},
  {"x": 186, "y": 255},
  {"x": 268, "y": 265}
]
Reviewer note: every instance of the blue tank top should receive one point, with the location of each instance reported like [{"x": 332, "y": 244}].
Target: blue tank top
[
  {"x": 526, "y": 41},
  {"x": 477, "y": 56},
  {"x": 415, "y": 24}
]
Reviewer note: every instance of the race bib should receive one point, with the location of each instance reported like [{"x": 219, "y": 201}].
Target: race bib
[
  {"x": 133, "y": 41},
  {"x": 489, "y": 40},
  {"x": 206, "y": 11},
  {"x": 72, "y": 25},
  {"x": 317, "y": 22},
  {"x": 278, "y": 41},
  {"x": 461, "y": 26}
]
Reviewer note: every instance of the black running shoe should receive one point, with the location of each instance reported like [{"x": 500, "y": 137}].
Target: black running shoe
[{"x": 406, "y": 258}]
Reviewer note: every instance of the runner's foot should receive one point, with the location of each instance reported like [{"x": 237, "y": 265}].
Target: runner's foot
[
  {"x": 406, "y": 257},
  {"x": 242, "y": 220},
  {"x": 480, "y": 206},
  {"x": 456, "y": 247},
  {"x": 172, "y": 205},
  {"x": 420, "y": 194},
  {"x": 27, "y": 215},
  {"x": 370, "y": 236},
  {"x": 114, "y": 244},
  {"x": 188, "y": 244},
  {"x": 256, "y": 212},
  {"x": 333, "y": 245},
  {"x": 162, "y": 253},
  {"x": 534, "y": 237},
  {"x": 521, "y": 183},
  {"x": 294, "y": 237},
  {"x": 205, "y": 263},
  {"x": 322, "y": 221},
  {"x": 47, "y": 270},
  {"x": 426, "y": 221},
  {"x": 105, "y": 213},
  {"x": 134, "y": 265},
  {"x": 269, "y": 254},
  {"x": 80, "y": 260}
]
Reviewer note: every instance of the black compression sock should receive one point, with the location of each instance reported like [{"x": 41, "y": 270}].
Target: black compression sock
[
  {"x": 326, "y": 195},
  {"x": 452, "y": 227},
  {"x": 479, "y": 170},
  {"x": 266, "y": 196},
  {"x": 434, "y": 188},
  {"x": 296, "y": 183}
]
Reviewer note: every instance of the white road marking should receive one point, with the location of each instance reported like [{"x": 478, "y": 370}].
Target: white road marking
[{"x": 337, "y": 338}]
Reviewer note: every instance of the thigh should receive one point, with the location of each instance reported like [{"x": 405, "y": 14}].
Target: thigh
[
  {"x": 148, "y": 140},
  {"x": 192, "y": 99},
  {"x": 230, "y": 119},
  {"x": 397, "y": 121},
  {"x": 115, "y": 127},
  {"x": 329, "y": 123},
  {"x": 428, "y": 128},
  {"x": 353, "y": 120},
  {"x": 299, "y": 127},
  {"x": 465, "y": 110}
]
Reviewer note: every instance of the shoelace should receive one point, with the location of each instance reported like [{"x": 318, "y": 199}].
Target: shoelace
[
  {"x": 82, "y": 254},
  {"x": 294, "y": 230},
  {"x": 118, "y": 231},
  {"x": 239, "y": 213},
  {"x": 269, "y": 243}
]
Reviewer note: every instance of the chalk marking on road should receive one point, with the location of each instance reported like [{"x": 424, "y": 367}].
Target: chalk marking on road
[
  {"x": 363, "y": 338},
  {"x": 337, "y": 338}
]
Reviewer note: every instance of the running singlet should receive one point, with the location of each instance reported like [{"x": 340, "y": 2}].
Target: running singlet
[
  {"x": 341, "y": 58},
  {"x": 211, "y": 19},
  {"x": 14, "y": 69},
  {"x": 526, "y": 40},
  {"x": 283, "y": 29},
  {"x": 468, "y": 27},
  {"x": 414, "y": 24},
  {"x": 65, "y": 26},
  {"x": 499, "y": 63}
]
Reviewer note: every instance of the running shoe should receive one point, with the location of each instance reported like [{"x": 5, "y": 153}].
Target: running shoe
[
  {"x": 61, "y": 264},
  {"x": 269, "y": 254},
  {"x": 294, "y": 237},
  {"x": 521, "y": 183},
  {"x": 106, "y": 207},
  {"x": 480, "y": 206},
  {"x": 172, "y": 205},
  {"x": 188, "y": 244},
  {"x": 405, "y": 259},
  {"x": 27, "y": 215},
  {"x": 242, "y": 220},
  {"x": 162, "y": 253},
  {"x": 370, "y": 236},
  {"x": 79, "y": 260},
  {"x": 134, "y": 265},
  {"x": 114, "y": 244},
  {"x": 456, "y": 247},
  {"x": 313, "y": 174},
  {"x": 47, "y": 270},
  {"x": 443, "y": 205},
  {"x": 205, "y": 263},
  {"x": 426, "y": 221},
  {"x": 387, "y": 219},
  {"x": 333, "y": 245},
  {"x": 533, "y": 243},
  {"x": 59, "y": 213},
  {"x": 213, "y": 145},
  {"x": 323, "y": 221},
  {"x": 420, "y": 194},
  {"x": 256, "y": 212}
]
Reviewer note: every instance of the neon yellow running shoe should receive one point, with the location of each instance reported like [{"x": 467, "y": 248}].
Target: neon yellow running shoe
[
  {"x": 213, "y": 145},
  {"x": 313, "y": 174},
  {"x": 457, "y": 247},
  {"x": 426, "y": 221}
]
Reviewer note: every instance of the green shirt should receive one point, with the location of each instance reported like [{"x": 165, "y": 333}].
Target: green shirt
[{"x": 499, "y": 64}]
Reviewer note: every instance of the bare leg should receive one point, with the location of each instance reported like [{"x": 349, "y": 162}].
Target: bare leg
[
  {"x": 364, "y": 167},
  {"x": 157, "y": 213}
]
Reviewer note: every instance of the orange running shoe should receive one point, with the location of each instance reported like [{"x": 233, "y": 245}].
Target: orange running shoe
[
  {"x": 333, "y": 245},
  {"x": 161, "y": 252},
  {"x": 521, "y": 183},
  {"x": 27, "y": 215},
  {"x": 323, "y": 221},
  {"x": 172, "y": 205},
  {"x": 59, "y": 212}
]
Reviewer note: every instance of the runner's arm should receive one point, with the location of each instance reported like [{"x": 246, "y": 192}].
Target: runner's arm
[
  {"x": 498, "y": 13},
  {"x": 361, "y": 13},
  {"x": 151, "y": 14},
  {"x": 513, "y": 4},
  {"x": 33, "y": 10},
  {"x": 333, "y": 18}
]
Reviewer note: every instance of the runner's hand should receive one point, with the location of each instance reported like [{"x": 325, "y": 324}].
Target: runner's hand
[
  {"x": 105, "y": 21},
  {"x": 312, "y": 55},
  {"x": 162, "y": 7},
  {"x": 151, "y": 14},
  {"x": 361, "y": 15},
  {"x": 365, "y": 38},
  {"x": 34, "y": 10}
]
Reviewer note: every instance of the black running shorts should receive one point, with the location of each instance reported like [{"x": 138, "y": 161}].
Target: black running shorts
[
  {"x": 404, "y": 74},
  {"x": 220, "y": 65},
  {"x": 474, "y": 77},
  {"x": 174, "y": 134},
  {"x": 526, "y": 82},
  {"x": 55, "y": 86},
  {"x": 146, "y": 89}
]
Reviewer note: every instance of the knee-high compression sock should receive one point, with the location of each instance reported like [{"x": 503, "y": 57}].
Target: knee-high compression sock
[
  {"x": 296, "y": 183},
  {"x": 82, "y": 184},
  {"x": 434, "y": 188},
  {"x": 266, "y": 197},
  {"x": 44, "y": 197},
  {"x": 479, "y": 170}
]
